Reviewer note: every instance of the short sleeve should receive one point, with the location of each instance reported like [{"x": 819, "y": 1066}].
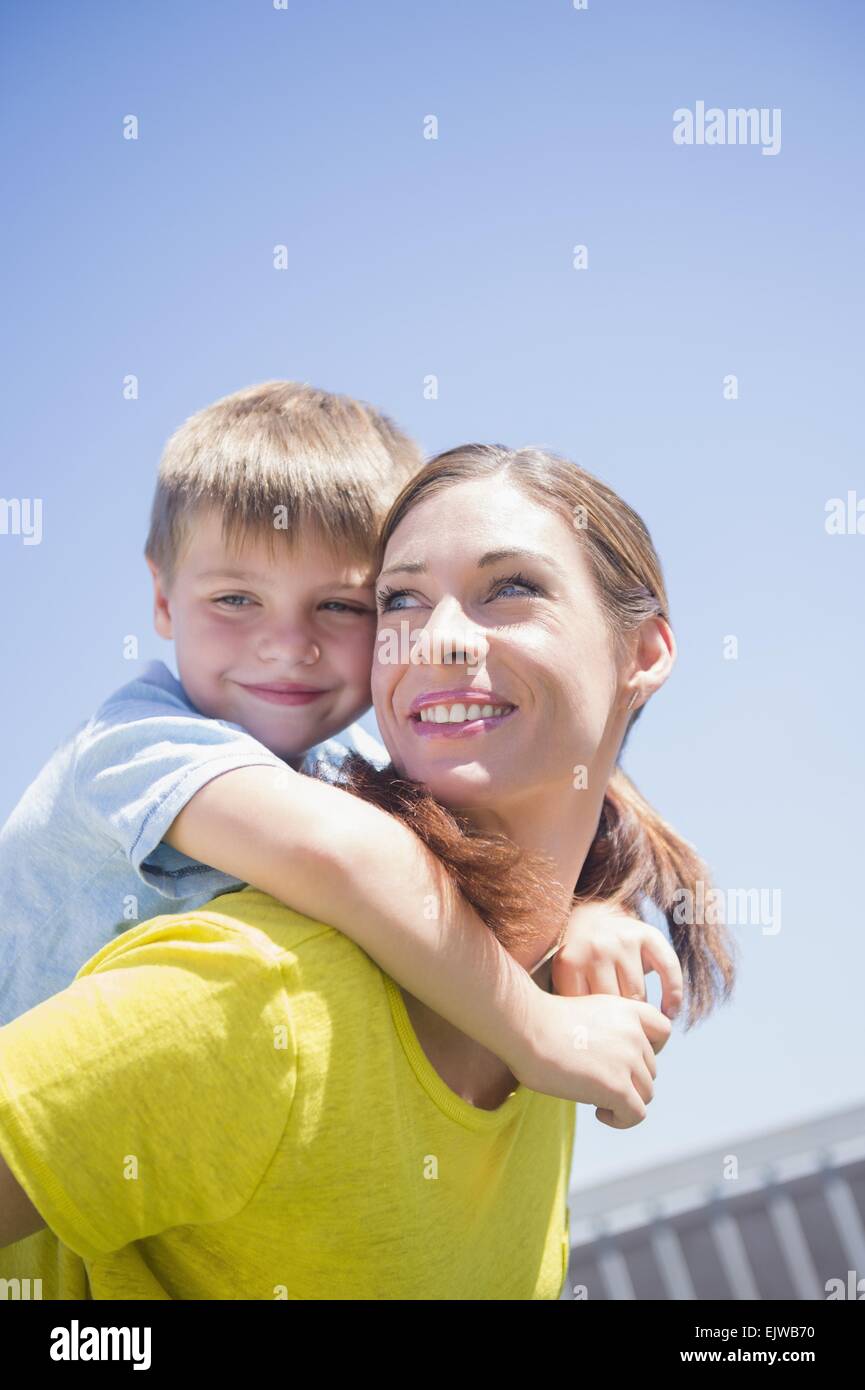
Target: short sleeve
[
  {"x": 137, "y": 766},
  {"x": 154, "y": 1091}
]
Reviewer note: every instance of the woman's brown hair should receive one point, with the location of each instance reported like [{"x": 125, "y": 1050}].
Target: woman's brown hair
[{"x": 636, "y": 857}]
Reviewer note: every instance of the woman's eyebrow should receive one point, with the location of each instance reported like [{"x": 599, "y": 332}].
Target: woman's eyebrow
[
  {"x": 411, "y": 567},
  {"x": 490, "y": 557}
]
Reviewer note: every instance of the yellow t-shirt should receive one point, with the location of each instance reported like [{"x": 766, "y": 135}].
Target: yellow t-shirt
[{"x": 233, "y": 1104}]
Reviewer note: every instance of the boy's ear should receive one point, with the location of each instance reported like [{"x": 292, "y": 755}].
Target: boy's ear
[{"x": 161, "y": 609}]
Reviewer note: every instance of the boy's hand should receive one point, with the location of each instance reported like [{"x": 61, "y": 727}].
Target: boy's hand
[
  {"x": 599, "y": 1050},
  {"x": 608, "y": 951}
]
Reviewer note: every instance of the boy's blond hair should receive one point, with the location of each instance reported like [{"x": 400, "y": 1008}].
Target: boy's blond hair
[{"x": 280, "y": 457}]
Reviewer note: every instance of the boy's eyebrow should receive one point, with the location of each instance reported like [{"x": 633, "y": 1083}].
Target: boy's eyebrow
[
  {"x": 491, "y": 557},
  {"x": 253, "y": 578},
  {"x": 228, "y": 573}
]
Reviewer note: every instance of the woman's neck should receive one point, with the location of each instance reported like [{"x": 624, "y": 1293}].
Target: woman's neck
[
  {"x": 560, "y": 824},
  {"x": 562, "y": 829}
]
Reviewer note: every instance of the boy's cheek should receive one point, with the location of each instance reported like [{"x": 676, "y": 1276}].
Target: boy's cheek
[
  {"x": 355, "y": 699},
  {"x": 193, "y": 649},
  {"x": 353, "y": 659}
]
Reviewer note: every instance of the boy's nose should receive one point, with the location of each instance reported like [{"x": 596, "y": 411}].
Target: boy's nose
[{"x": 292, "y": 646}]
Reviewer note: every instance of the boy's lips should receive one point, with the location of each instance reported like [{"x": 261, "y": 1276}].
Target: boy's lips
[{"x": 284, "y": 692}]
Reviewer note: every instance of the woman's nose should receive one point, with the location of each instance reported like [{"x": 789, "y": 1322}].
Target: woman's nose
[{"x": 450, "y": 636}]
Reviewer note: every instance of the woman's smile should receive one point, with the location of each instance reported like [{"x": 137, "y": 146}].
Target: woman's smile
[
  {"x": 459, "y": 720},
  {"x": 458, "y": 713}
]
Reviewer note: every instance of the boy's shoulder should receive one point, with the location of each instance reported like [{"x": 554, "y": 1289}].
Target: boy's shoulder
[
  {"x": 151, "y": 720},
  {"x": 154, "y": 684}
]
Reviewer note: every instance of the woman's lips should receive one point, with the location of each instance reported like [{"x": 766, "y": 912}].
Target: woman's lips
[
  {"x": 286, "y": 695},
  {"x": 464, "y": 695},
  {"x": 464, "y": 710},
  {"x": 465, "y": 729}
]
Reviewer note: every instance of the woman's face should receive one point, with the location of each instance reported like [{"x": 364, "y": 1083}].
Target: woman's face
[{"x": 494, "y": 674}]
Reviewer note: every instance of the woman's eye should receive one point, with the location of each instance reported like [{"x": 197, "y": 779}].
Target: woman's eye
[
  {"x": 517, "y": 581},
  {"x": 392, "y": 600}
]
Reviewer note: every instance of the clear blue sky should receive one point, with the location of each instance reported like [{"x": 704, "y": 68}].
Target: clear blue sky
[{"x": 409, "y": 257}]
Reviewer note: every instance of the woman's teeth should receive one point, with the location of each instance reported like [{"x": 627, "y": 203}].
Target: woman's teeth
[{"x": 460, "y": 714}]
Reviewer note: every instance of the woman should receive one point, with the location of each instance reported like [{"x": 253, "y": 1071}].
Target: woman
[{"x": 238, "y": 1103}]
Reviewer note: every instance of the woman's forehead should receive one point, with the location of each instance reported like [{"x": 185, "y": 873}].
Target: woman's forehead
[{"x": 481, "y": 517}]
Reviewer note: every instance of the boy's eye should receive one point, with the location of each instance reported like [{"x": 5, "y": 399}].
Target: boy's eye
[
  {"x": 234, "y": 600},
  {"x": 337, "y": 605}
]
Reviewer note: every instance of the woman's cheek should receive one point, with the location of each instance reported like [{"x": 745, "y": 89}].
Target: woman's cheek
[
  {"x": 587, "y": 727},
  {"x": 383, "y": 682}
]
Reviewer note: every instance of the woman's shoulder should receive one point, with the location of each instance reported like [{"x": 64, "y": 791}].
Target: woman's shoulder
[{"x": 247, "y": 924}]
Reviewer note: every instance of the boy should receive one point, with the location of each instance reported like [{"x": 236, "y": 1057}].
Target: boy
[{"x": 177, "y": 791}]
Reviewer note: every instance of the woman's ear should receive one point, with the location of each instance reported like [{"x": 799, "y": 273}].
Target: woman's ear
[
  {"x": 652, "y": 659},
  {"x": 161, "y": 609}
]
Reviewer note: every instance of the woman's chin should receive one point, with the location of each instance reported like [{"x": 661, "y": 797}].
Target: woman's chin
[{"x": 469, "y": 786}]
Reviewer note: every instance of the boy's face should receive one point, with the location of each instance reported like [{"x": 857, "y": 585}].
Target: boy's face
[{"x": 280, "y": 643}]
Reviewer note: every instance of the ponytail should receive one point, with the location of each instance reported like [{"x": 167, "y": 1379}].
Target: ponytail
[{"x": 636, "y": 856}]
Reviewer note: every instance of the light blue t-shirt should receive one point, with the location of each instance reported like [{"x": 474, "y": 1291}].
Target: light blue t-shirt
[{"x": 81, "y": 856}]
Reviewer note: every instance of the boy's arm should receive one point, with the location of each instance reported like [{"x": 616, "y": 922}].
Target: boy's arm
[{"x": 342, "y": 861}]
